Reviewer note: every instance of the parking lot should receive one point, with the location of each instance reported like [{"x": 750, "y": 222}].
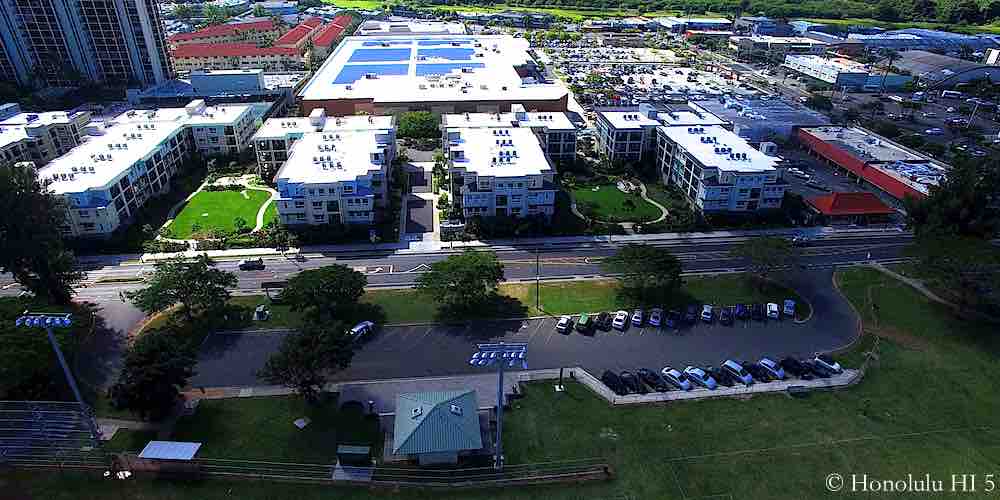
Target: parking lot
[{"x": 431, "y": 350}]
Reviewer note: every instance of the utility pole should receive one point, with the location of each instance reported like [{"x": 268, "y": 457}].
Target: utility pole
[
  {"x": 501, "y": 353},
  {"x": 538, "y": 285}
]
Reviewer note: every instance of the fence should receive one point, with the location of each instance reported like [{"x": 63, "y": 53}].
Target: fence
[{"x": 48, "y": 434}]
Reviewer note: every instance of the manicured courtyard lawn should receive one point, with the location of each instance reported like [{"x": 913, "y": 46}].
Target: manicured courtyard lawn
[
  {"x": 270, "y": 213},
  {"x": 218, "y": 209},
  {"x": 607, "y": 203}
]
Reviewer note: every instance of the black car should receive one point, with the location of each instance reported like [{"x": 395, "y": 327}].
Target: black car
[
  {"x": 603, "y": 322},
  {"x": 795, "y": 368},
  {"x": 614, "y": 382},
  {"x": 632, "y": 383},
  {"x": 653, "y": 380},
  {"x": 691, "y": 315},
  {"x": 673, "y": 319},
  {"x": 743, "y": 311},
  {"x": 720, "y": 376},
  {"x": 817, "y": 369},
  {"x": 757, "y": 313},
  {"x": 757, "y": 372},
  {"x": 726, "y": 316}
]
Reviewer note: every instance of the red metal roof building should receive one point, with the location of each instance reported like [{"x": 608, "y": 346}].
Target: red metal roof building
[
  {"x": 189, "y": 57},
  {"x": 325, "y": 39},
  {"x": 255, "y": 31},
  {"x": 298, "y": 36},
  {"x": 851, "y": 208}
]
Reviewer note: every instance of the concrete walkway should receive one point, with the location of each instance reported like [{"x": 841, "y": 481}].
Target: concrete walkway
[
  {"x": 222, "y": 181},
  {"x": 642, "y": 194},
  {"x": 916, "y": 285}
]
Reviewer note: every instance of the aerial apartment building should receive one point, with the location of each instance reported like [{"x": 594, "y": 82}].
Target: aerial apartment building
[
  {"x": 717, "y": 170},
  {"x": 191, "y": 57},
  {"x": 123, "y": 162},
  {"x": 555, "y": 131},
  {"x": 500, "y": 172},
  {"x": 38, "y": 137},
  {"x": 628, "y": 134},
  {"x": 69, "y": 42},
  {"x": 328, "y": 169},
  {"x": 254, "y": 32},
  {"x": 326, "y": 39}
]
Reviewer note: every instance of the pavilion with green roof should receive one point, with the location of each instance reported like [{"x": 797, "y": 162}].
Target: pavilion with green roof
[{"x": 434, "y": 427}]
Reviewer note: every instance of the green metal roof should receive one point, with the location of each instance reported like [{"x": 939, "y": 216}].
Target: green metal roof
[{"x": 430, "y": 422}]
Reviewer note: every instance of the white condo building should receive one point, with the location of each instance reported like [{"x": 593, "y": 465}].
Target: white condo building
[
  {"x": 717, "y": 170},
  {"x": 328, "y": 169},
  {"x": 38, "y": 137},
  {"x": 123, "y": 162},
  {"x": 555, "y": 131},
  {"x": 500, "y": 172}
]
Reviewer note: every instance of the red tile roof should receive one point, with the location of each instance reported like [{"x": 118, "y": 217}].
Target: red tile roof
[
  {"x": 849, "y": 204},
  {"x": 224, "y": 29},
  {"x": 294, "y": 35},
  {"x": 230, "y": 50},
  {"x": 327, "y": 35},
  {"x": 343, "y": 21},
  {"x": 312, "y": 22}
]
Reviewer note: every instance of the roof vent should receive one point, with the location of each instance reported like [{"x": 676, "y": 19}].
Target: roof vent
[{"x": 456, "y": 410}]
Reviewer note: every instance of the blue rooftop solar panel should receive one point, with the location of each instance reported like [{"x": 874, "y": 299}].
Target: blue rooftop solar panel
[
  {"x": 450, "y": 53},
  {"x": 354, "y": 72},
  {"x": 444, "y": 68},
  {"x": 380, "y": 55}
]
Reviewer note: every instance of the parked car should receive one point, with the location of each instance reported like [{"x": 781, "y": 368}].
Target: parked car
[
  {"x": 603, "y": 322},
  {"x": 720, "y": 376},
  {"x": 773, "y": 311},
  {"x": 707, "y": 314},
  {"x": 934, "y": 131},
  {"x": 795, "y": 368},
  {"x": 632, "y": 383},
  {"x": 614, "y": 382},
  {"x": 737, "y": 371},
  {"x": 565, "y": 325},
  {"x": 742, "y": 311},
  {"x": 584, "y": 323},
  {"x": 758, "y": 372},
  {"x": 789, "y": 309},
  {"x": 361, "y": 329},
  {"x": 801, "y": 240},
  {"x": 621, "y": 321},
  {"x": 829, "y": 363},
  {"x": 673, "y": 319},
  {"x": 637, "y": 317},
  {"x": 251, "y": 264},
  {"x": 817, "y": 369},
  {"x": 692, "y": 313},
  {"x": 652, "y": 379},
  {"x": 655, "y": 316},
  {"x": 774, "y": 369},
  {"x": 701, "y": 377},
  {"x": 757, "y": 312},
  {"x": 726, "y": 316},
  {"x": 676, "y": 378}
]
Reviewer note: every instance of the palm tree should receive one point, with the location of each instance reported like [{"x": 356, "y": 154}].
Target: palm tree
[{"x": 891, "y": 55}]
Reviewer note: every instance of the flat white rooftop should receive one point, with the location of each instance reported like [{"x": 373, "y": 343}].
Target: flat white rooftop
[
  {"x": 714, "y": 146},
  {"x": 626, "y": 120},
  {"x": 122, "y": 141},
  {"x": 408, "y": 27},
  {"x": 428, "y": 68},
  {"x": 689, "y": 117},
  {"x": 277, "y": 128},
  {"x": 500, "y": 152},
  {"x": 838, "y": 64},
  {"x": 14, "y": 128},
  {"x": 551, "y": 121},
  {"x": 768, "y": 39},
  {"x": 324, "y": 158}
]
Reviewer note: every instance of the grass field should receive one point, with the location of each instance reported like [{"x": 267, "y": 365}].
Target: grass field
[
  {"x": 217, "y": 209},
  {"x": 356, "y": 4},
  {"x": 925, "y": 407},
  {"x": 270, "y": 213},
  {"x": 607, "y": 203}
]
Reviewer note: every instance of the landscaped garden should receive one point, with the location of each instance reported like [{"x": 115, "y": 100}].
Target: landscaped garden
[
  {"x": 607, "y": 203},
  {"x": 218, "y": 210}
]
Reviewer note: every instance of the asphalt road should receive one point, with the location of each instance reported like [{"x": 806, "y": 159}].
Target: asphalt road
[{"x": 232, "y": 359}]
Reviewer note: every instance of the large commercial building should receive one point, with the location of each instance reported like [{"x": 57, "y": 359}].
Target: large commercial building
[
  {"x": 439, "y": 73},
  {"x": 717, "y": 170},
  {"x": 939, "y": 71},
  {"x": 681, "y": 25},
  {"x": 760, "y": 120},
  {"x": 275, "y": 90},
  {"x": 763, "y": 26},
  {"x": 123, "y": 162},
  {"x": 69, "y": 42},
  {"x": 38, "y": 137},
  {"x": 925, "y": 39},
  {"x": 500, "y": 172},
  {"x": 328, "y": 169},
  {"x": 375, "y": 27},
  {"x": 874, "y": 160},
  {"x": 555, "y": 131},
  {"x": 774, "y": 48}
]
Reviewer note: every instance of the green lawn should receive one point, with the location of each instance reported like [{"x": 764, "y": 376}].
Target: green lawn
[
  {"x": 129, "y": 440},
  {"x": 356, "y": 4},
  {"x": 607, "y": 203},
  {"x": 218, "y": 209},
  {"x": 270, "y": 213},
  {"x": 263, "y": 429}
]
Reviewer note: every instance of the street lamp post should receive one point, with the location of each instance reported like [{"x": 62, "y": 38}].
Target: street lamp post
[
  {"x": 50, "y": 322},
  {"x": 500, "y": 353}
]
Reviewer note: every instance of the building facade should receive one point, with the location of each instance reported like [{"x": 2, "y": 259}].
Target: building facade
[
  {"x": 229, "y": 56},
  {"x": 555, "y": 131},
  {"x": 717, "y": 170},
  {"x": 626, "y": 135},
  {"x": 328, "y": 170},
  {"x": 105, "y": 181},
  {"x": 69, "y": 42},
  {"x": 255, "y": 32},
  {"x": 38, "y": 137},
  {"x": 774, "y": 48}
]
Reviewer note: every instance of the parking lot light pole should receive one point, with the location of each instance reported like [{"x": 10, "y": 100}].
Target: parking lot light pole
[
  {"x": 50, "y": 322},
  {"x": 500, "y": 353}
]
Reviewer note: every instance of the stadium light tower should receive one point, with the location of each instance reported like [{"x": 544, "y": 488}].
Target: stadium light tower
[
  {"x": 50, "y": 322},
  {"x": 500, "y": 354}
]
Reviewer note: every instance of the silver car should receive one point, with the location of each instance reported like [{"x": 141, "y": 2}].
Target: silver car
[
  {"x": 621, "y": 321},
  {"x": 676, "y": 378},
  {"x": 737, "y": 371},
  {"x": 700, "y": 377},
  {"x": 773, "y": 368}
]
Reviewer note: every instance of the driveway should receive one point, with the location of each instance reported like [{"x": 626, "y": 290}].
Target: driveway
[
  {"x": 419, "y": 215},
  {"x": 434, "y": 350}
]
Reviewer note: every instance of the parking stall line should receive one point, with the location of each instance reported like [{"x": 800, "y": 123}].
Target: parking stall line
[{"x": 541, "y": 323}]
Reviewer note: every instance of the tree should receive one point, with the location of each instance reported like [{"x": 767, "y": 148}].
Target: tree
[
  {"x": 156, "y": 368},
  {"x": 890, "y": 55},
  {"x": 964, "y": 203},
  {"x": 214, "y": 14},
  {"x": 260, "y": 11},
  {"x": 325, "y": 292},
  {"x": 886, "y": 11},
  {"x": 196, "y": 285},
  {"x": 31, "y": 247},
  {"x": 183, "y": 11},
  {"x": 462, "y": 282},
  {"x": 819, "y": 102},
  {"x": 418, "y": 125},
  {"x": 240, "y": 225},
  {"x": 649, "y": 275},
  {"x": 764, "y": 254},
  {"x": 305, "y": 359}
]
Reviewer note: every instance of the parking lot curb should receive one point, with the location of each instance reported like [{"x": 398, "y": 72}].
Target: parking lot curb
[
  {"x": 464, "y": 322},
  {"x": 860, "y": 323}
]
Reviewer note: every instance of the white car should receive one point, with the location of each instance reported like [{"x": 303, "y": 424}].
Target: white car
[
  {"x": 773, "y": 311},
  {"x": 655, "y": 317},
  {"x": 827, "y": 362},
  {"x": 565, "y": 324},
  {"x": 637, "y": 317},
  {"x": 621, "y": 321},
  {"x": 934, "y": 131},
  {"x": 362, "y": 329},
  {"x": 676, "y": 378}
]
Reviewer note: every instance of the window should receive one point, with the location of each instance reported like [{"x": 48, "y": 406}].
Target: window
[
  {"x": 84, "y": 214},
  {"x": 300, "y": 204},
  {"x": 347, "y": 188},
  {"x": 317, "y": 204}
]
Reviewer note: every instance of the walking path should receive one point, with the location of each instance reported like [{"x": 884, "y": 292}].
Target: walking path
[
  {"x": 916, "y": 284},
  {"x": 222, "y": 181},
  {"x": 642, "y": 194}
]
